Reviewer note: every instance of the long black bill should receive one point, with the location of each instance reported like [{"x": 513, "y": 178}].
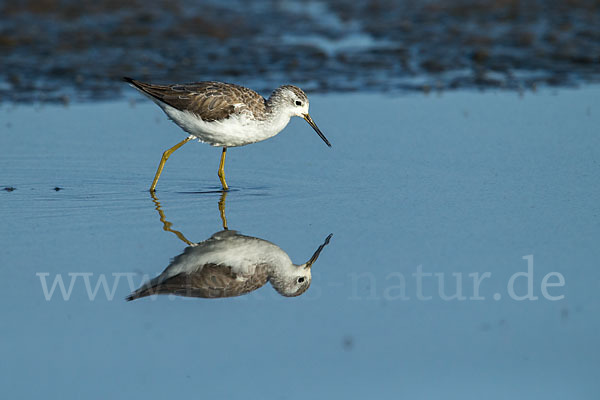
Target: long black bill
[
  {"x": 314, "y": 257},
  {"x": 316, "y": 128}
]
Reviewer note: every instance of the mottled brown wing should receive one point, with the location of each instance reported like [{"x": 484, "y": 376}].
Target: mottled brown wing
[
  {"x": 212, "y": 101},
  {"x": 211, "y": 281}
]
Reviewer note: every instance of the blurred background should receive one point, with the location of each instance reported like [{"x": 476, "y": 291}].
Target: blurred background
[{"x": 60, "y": 50}]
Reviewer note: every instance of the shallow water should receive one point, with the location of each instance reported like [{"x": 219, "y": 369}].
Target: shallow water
[{"x": 460, "y": 183}]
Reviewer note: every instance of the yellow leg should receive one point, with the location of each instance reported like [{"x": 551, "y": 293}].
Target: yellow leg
[
  {"x": 221, "y": 172},
  {"x": 222, "y": 210},
  {"x": 166, "y": 224},
  {"x": 164, "y": 159}
]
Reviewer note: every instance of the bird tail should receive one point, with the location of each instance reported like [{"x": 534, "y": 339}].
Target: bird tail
[
  {"x": 133, "y": 82},
  {"x": 148, "y": 289},
  {"x": 138, "y": 294}
]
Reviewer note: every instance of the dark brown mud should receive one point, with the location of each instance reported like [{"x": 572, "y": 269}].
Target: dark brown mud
[{"x": 62, "y": 50}]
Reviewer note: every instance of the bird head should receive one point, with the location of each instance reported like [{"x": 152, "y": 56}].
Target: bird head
[
  {"x": 296, "y": 280},
  {"x": 295, "y": 102}
]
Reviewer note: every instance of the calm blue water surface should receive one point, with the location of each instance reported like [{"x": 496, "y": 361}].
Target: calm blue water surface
[{"x": 454, "y": 184}]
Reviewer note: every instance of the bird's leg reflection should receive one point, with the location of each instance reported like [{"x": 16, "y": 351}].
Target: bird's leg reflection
[
  {"x": 222, "y": 209},
  {"x": 166, "y": 224}
]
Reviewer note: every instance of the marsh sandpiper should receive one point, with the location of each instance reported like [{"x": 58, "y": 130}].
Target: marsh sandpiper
[{"x": 225, "y": 115}]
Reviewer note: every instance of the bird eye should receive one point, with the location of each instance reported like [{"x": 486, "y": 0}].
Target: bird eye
[
  {"x": 301, "y": 279},
  {"x": 298, "y": 103}
]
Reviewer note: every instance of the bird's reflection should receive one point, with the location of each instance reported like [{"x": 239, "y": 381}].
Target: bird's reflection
[{"x": 228, "y": 264}]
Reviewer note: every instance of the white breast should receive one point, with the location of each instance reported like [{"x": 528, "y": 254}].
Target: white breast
[
  {"x": 241, "y": 253},
  {"x": 237, "y": 130}
]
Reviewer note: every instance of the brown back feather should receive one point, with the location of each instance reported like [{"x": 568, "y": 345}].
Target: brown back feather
[
  {"x": 212, "y": 101},
  {"x": 210, "y": 281}
]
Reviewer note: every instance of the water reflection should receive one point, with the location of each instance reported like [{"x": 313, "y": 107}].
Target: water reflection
[{"x": 228, "y": 264}]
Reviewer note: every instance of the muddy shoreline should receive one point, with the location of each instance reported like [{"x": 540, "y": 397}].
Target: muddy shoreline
[{"x": 65, "y": 50}]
